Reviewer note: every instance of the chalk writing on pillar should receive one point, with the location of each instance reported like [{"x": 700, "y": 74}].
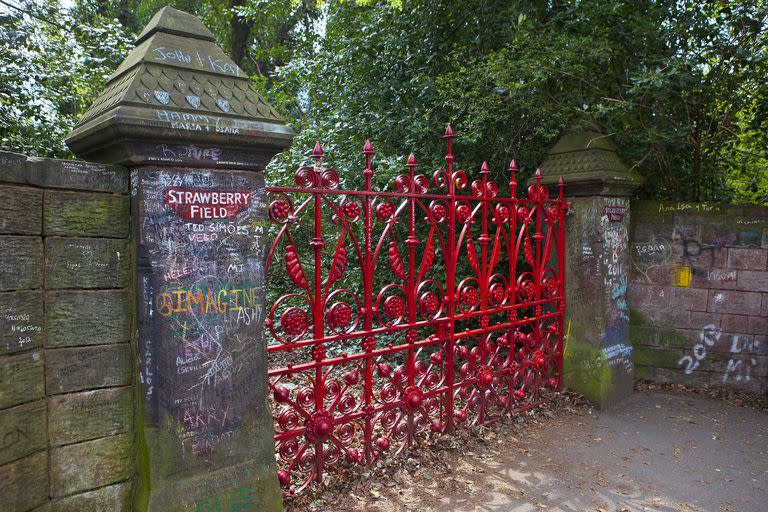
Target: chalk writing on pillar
[
  {"x": 196, "y": 122},
  {"x": 616, "y": 261},
  {"x": 189, "y": 151},
  {"x": 619, "y": 355},
  {"x": 195, "y": 59},
  {"x": 202, "y": 302}
]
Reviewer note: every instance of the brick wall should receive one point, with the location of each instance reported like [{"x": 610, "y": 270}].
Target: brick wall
[
  {"x": 66, "y": 400},
  {"x": 698, "y": 294}
]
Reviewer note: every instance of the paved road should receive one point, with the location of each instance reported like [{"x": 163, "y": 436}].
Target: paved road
[{"x": 655, "y": 452}]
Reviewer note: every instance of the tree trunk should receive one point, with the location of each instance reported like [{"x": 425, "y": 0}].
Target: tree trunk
[
  {"x": 696, "y": 166},
  {"x": 241, "y": 30}
]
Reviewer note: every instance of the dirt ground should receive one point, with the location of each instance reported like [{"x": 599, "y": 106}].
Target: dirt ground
[{"x": 655, "y": 452}]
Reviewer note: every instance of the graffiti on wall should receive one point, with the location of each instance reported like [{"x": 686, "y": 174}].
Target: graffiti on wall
[
  {"x": 200, "y": 264},
  {"x": 708, "y": 336},
  {"x": 683, "y": 255},
  {"x": 744, "y": 351},
  {"x": 743, "y": 361},
  {"x": 694, "y": 252}
]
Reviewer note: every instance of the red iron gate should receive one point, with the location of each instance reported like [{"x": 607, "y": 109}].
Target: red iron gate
[{"x": 428, "y": 308}]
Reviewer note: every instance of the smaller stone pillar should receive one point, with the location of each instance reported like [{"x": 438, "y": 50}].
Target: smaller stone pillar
[
  {"x": 183, "y": 117},
  {"x": 598, "y": 352}
]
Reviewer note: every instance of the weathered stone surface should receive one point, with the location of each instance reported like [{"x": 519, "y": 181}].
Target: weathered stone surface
[
  {"x": 86, "y": 263},
  {"x": 84, "y": 466},
  {"x": 112, "y": 498},
  {"x": 648, "y": 296},
  {"x": 247, "y": 487},
  {"x": 76, "y": 369},
  {"x": 656, "y": 316},
  {"x": 749, "y": 259},
  {"x": 24, "y": 483},
  {"x": 723, "y": 301},
  {"x": 76, "y": 318},
  {"x": 14, "y": 169},
  {"x": 733, "y": 323},
  {"x": 20, "y": 210},
  {"x": 21, "y": 378},
  {"x": 183, "y": 100},
  {"x": 701, "y": 318},
  {"x": 672, "y": 317},
  {"x": 671, "y": 337},
  {"x": 644, "y": 336},
  {"x": 86, "y": 214},
  {"x": 21, "y": 321},
  {"x": 714, "y": 317},
  {"x": 21, "y": 266},
  {"x": 54, "y": 173},
  {"x": 591, "y": 166},
  {"x": 88, "y": 415},
  {"x": 722, "y": 363},
  {"x": 22, "y": 431},
  {"x": 758, "y": 325},
  {"x": 753, "y": 280},
  {"x": 78, "y": 175}
]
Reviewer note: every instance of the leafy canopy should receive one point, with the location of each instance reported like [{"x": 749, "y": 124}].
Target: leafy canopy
[{"x": 679, "y": 85}]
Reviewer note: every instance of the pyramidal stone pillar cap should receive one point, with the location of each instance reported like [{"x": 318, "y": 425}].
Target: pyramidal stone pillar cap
[
  {"x": 178, "y": 99},
  {"x": 589, "y": 164}
]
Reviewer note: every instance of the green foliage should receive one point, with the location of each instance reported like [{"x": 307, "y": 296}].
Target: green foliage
[
  {"x": 51, "y": 72},
  {"x": 679, "y": 85}
]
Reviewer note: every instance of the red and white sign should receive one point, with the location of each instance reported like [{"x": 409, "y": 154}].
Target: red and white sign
[
  {"x": 614, "y": 213},
  {"x": 201, "y": 204}
]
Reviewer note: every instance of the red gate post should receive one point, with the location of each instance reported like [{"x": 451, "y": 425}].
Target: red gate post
[
  {"x": 184, "y": 118},
  {"x": 598, "y": 350}
]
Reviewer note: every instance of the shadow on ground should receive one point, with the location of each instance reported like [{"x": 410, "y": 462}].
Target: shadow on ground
[{"x": 655, "y": 452}]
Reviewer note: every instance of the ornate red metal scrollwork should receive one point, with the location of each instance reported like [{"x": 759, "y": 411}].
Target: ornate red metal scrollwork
[{"x": 435, "y": 306}]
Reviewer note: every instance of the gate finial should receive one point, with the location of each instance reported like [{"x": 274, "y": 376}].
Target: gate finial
[
  {"x": 513, "y": 168},
  {"x": 449, "y": 149},
  {"x": 368, "y": 151},
  {"x": 317, "y": 151}
]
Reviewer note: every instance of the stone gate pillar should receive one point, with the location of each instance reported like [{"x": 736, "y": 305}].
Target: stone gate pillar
[
  {"x": 183, "y": 117},
  {"x": 598, "y": 352}
]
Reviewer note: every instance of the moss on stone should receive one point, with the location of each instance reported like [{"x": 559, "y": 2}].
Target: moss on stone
[
  {"x": 660, "y": 358},
  {"x": 585, "y": 368}
]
